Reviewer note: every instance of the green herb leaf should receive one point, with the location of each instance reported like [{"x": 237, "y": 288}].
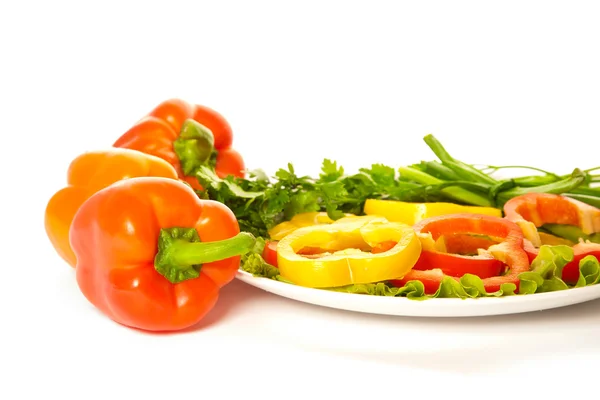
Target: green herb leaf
[{"x": 331, "y": 171}]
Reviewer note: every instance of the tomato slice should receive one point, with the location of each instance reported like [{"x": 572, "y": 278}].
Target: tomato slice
[{"x": 270, "y": 252}]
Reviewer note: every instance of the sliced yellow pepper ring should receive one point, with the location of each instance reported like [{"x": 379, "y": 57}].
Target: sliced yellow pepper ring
[
  {"x": 279, "y": 231},
  {"x": 411, "y": 213},
  {"x": 343, "y": 256}
]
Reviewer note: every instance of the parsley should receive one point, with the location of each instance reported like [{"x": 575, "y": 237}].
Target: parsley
[{"x": 260, "y": 202}]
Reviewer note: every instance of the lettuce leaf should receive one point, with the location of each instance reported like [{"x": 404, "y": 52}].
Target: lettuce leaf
[
  {"x": 547, "y": 267},
  {"x": 469, "y": 286},
  {"x": 546, "y": 270},
  {"x": 253, "y": 263},
  {"x": 589, "y": 271},
  {"x": 413, "y": 290}
]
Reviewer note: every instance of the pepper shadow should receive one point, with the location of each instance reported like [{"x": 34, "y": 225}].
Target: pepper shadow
[
  {"x": 500, "y": 341},
  {"x": 235, "y": 296}
]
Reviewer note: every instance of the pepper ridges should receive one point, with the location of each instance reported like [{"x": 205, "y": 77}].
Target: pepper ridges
[
  {"x": 88, "y": 173},
  {"x": 158, "y": 132},
  {"x": 152, "y": 255}
]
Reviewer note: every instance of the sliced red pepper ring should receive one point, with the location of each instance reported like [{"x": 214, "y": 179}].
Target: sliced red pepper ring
[
  {"x": 433, "y": 265},
  {"x": 431, "y": 279},
  {"x": 467, "y": 251},
  {"x": 466, "y": 243},
  {"x": 533, "y": 210}
]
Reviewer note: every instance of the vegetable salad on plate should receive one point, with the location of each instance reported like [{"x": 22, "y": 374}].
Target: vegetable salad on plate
[{"x": 171, "y": 214}]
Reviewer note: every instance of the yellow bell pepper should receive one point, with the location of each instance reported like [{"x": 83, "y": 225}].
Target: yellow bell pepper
[
  {"x": 343, "y": 252},
  {"x": 411, "y": 213},
  {"x": 279, "y": 231}
]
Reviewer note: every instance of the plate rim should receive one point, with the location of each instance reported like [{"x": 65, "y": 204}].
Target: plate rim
[{"x": 480, "y": 306}]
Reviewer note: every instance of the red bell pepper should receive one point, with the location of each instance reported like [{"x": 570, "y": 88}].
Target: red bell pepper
[
  {"x": 489, "y": 264},
  {"x": 187, "y": 136},
  {"x": 152, "y": 255},
  {"x": 531, "y": 211},
  {"x": 176, "y": 111},
  {"x": 457, "y": 259}
]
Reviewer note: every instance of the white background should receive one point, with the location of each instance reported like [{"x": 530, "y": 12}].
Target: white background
[{"x": 358, "y": 82}]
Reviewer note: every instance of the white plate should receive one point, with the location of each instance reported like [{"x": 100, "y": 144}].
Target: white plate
[{"x": 402, "y": 306}]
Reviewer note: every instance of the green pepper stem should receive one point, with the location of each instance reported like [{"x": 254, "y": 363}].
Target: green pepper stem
[
  {"x": 194, "y": 146},
  {"x": 181, "y": 254},
  {"x": 186, "y": 254}
]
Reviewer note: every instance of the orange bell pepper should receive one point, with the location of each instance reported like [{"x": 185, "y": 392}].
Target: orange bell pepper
[
  {"x": 152, "y": 255},
  {"x": 187, "y": 136},
  {"x": 88, "y": 173}
]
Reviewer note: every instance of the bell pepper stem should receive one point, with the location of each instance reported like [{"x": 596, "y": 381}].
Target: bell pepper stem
[
  {"x": 194, "y": 146},
  {"x": 181, "y": 254},
  {"x": 187, "y": 254}
]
